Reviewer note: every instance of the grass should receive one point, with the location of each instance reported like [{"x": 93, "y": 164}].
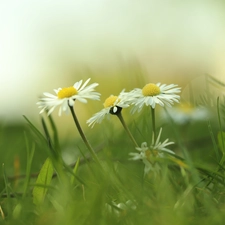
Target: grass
[{"x": 40, "y": 185}]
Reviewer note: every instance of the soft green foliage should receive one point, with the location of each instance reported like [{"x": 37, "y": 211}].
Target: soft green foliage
[{"x": 57, "y": 181}]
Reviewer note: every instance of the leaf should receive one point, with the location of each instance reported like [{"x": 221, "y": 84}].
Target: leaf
[
  {"x": 221, "y": 140},
  {"x": 17, "y": 211},
  {"x": 43, "y": 181},
  {"x": 74, "y": 171}
]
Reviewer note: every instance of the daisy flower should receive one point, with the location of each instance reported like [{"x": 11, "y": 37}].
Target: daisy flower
[
  {"x": 112, "y": 105},
  {"x": 152, "y": 94},
  {"x": 66, "y": 97},
  {"x": 148, "y": 154},
  {"x": 186, "y": 113}
]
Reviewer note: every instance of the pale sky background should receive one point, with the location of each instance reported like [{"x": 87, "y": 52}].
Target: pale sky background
[{"x": 39, "y": 39}]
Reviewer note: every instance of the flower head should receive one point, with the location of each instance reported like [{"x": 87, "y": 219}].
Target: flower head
[
  {"x": 149, "y": 154},
  {"x": 152, "y": 94},
  {"x": 112, "y": 105},
  {"x": 186, "y": 113},
  {"x": 65, "y": 97}
]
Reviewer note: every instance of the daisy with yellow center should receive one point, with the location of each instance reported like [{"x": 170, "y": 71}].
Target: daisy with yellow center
[
  {"x": 152, "y": 94},
  {"x": 112, "y": 105},
  {"x": 147, "y": 153},
  {"x": 66, "y": 97}
]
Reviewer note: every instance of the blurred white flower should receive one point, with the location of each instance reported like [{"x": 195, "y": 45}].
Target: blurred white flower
[
  {"x": 67, "y": 96},
  {"x": 149, "y": 154},
  {"x": 186, "y": 113}
]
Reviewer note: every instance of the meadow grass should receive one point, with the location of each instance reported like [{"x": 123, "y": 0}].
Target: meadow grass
[{"x": 46, "y": 179}]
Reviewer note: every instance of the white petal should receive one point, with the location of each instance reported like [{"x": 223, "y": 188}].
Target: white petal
[
  {"x": 77, "y": 85},
  {"x": 84, "y": 84}
]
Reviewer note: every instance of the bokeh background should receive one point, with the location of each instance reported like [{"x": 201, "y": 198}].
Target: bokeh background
[
  {"x": 46, "y": 44},
  {"x": 51, "y": 44}
]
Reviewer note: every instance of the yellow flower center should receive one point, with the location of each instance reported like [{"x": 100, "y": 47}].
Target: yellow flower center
[
  {"x": 109, "y": 102},
  {"x": 186, "y": 108},
  {"x": 67, "y": 92},
  {"x": 150, "y": 90},
  {"x": 151, "y": 153}
]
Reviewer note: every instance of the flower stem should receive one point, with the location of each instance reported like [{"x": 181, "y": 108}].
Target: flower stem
[
  {"x": 119, "y": 115},
  {"x": 153, "y": 123},
  {"x": 91, "y": 150}
]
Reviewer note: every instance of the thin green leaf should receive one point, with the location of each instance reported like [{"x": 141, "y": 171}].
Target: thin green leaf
[
  {"x": 213, "y": 141},
  {"x": 55, "y": 133},
  {"x": 30, "y": 154},
  {"x": 48, "y": 137},
  {"x": 74, "y": 171},
  {"x": 221, "y": 141},
  {"x": 35, "y": 130},
  {"x": 44, "y": 179},
  {"x": 53, "y": 152}
]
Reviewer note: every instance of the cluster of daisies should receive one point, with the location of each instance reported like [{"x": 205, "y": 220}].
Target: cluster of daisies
[{"x": 150, "y": 95}]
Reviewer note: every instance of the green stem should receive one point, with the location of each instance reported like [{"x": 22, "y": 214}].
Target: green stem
[
  {"x": 119, "y": 115},
  {"x": 153, "y": 123},
  {"x": 91, "y": 150}
]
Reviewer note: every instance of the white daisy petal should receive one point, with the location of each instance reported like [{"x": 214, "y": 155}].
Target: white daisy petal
[
  {"x": 42, "y": 110},
  {"x": 50, "y": 95},
  {"x": 60, "y": 111},
  {"x": 157, "y": 140},
  {"x": 98, "y": 117},
  {"x": 51, "y": 110},
  {"x": 71, "y": 102},
  {"x": 77, "y": 84},
  {"x": 84, "y": 84},
  {"x": 64, "y": 105},
  {"x": 57, "y": 90},
  {"x": 83, "y": 100}
]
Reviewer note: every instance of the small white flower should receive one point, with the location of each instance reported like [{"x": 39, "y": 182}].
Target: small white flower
[
  {"x": 148, "y": 154},
  {"x": 68, "y": 95},
  {"x": 152, "y": 94},
  {"x": 186, "y": 113},
  {"x": 112, "y": 105}
]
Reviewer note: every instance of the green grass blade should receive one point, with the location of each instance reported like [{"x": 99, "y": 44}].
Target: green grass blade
[
  {"x": 54, "y": 153},
  {"x": 35, "y": 130},
  {"x": 47, "y": 135},
  {"x": 221, "y": 140},
  {"x": 213, "y": 141},
  {"x": 30, "y": 155},
  {"x": 55, "y": 133},
  {"x": 7, "y": 189},
  {"x": 75, "y": 171}
]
